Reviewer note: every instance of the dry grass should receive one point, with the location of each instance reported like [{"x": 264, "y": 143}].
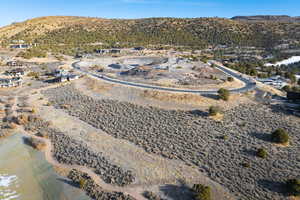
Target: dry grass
[
  {"x": 97, "y": 86},
  {"x": 166, "y": 82},
  {"x": 61, "y": 171},
  {"x": 287, "y": 144},
  {"x": 97, "y": 67},
  {"x": 218, "y": 117},
  {"x": 165, "y": 96},
  {"x": 294, "y": 198},
  {"x": 193, "y": 99}
]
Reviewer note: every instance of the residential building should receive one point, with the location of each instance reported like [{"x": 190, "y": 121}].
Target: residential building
[
  {"x": 65, "y": 78},
  {"x": 14, "y": 63},
  {"x": 275, "y": 81},
  {"x": 19, "y": 46},
  {"x": 15, "y": 72},
  {"x": 11, "y": 82}
]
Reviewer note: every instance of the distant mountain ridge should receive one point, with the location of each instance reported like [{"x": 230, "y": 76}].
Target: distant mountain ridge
[{"x": 282, "y": 18}]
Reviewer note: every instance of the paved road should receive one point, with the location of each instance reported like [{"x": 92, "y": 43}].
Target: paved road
[{"x": 249, "y": 84}]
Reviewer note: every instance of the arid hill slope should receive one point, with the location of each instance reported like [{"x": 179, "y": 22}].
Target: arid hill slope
[{"x": 199, "y": 32}]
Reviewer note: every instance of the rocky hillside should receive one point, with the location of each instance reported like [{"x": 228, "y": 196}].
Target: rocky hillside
[
  {"x": 281, "y": 18},
  {"x": 55, "y": 32}
]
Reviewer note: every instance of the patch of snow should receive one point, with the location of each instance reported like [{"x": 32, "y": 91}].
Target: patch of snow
[{"x": 291, "y": 60}]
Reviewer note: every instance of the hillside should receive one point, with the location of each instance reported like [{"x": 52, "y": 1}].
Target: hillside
[
  {"x": 280, "y": 18},
  {"x": 57, "y": 31}
]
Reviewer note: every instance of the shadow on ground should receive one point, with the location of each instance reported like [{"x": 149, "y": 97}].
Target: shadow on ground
[
  {"x": 198, "y": 113},
  {"x": 285, "y": 111},
  {"x": 211, "y": 96},
  {"x": 249, "y": 152},
  {"x": 69, "y": 182},
  {"x": 272, "y": 186},
  {"x": 177, "y": 192},
  {"x": 262, "y": 136}
]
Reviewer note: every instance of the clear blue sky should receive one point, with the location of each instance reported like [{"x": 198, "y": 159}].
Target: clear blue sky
[{"x": 20, "y": 10}]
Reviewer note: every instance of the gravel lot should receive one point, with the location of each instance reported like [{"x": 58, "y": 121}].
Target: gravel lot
[
  {"x": 197, "y": 140},
  {"x": 69, "y": 151}
]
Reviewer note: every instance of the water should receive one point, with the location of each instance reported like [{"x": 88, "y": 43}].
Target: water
[{"x": 25, "y": 174}]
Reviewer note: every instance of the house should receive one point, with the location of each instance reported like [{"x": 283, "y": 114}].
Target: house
[
  {"x": 159, "y": 67},
  {"x": 65, "y": 78},
  {"x": 107, "y": 51},
  {"x": 78, "y": 55},
  {"x": 102, "y": 51},
  {"x": 61, "y": 79},
  {"x": 15, "y": 72},
  {"x": 14, "y": 64},
  {"x": 18, "y": 41},
  {"x": 19, "y": 46},
  {"x": 72, "y": 77},
  {"x": 139, "y": 48},
  {"x": 115, "y": 51},
  {"x": 59, "y": 72},
  {"x": 276, "y": 81},
  {"x": 11, "y": 82}
]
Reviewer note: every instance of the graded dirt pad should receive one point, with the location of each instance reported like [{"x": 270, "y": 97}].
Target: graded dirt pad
[
  {"x": 195, "y": 139},
  {"x": 94, "y": 85}
]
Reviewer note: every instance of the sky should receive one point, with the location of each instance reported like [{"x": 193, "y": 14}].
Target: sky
[{"x": 20, "y": 10}]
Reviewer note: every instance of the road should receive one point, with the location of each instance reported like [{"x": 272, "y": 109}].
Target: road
[{"x": 249, "y": 84}]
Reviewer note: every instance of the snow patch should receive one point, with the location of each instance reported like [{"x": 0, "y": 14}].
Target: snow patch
[{"x": 291, "y": 60}]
